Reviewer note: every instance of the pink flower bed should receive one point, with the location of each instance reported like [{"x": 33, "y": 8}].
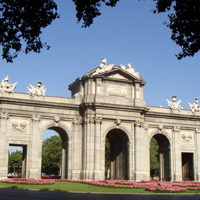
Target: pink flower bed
[
  {"x": 152, "y": 185},
  {"x": 29, "y": 181}
]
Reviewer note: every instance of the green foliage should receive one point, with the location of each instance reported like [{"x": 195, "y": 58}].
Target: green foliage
[
  {"x": 107, "y": 156},
  {"x": 154, "y": 155},
  {"x": 184, "y": 21},
  {"x": 87, "y": 10},
  {"x": 15, "y": 160},
  {"x": 51, "y": 155},
  {"x": 22, "y": 21}
]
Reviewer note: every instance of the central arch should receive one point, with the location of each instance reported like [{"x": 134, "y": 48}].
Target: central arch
[
  {"x": 118, "y": 140},
  {"x": 65, "y": 149}
]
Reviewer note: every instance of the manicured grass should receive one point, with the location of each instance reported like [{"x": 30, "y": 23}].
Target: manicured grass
[
  {"x": 74, "y": 187},
  {"x": 80, "y": 187}
]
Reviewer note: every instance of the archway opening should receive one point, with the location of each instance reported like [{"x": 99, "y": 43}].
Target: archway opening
[
  {"x": 187, "y": 167},
  {"x": 55, "y": 153},
  {"x": 161, "y": 157},
  {"x": 117, "y": 160},
  {"x": 17, "y": 158}
]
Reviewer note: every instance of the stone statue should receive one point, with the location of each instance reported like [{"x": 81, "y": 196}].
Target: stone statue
[
  {"x": 195, "y": 106},
  {"x": 130, "y": 70},
  {"x": 7, "y": 87},
  {"x": 174, "y": 105},
  {"x": 103, "y": 67},
  {"x": 38, "y": 90}
]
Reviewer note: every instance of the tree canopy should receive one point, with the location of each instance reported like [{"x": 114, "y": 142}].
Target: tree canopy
[
  {"x": 22, "y": 21},
  {"x": 15, "y": 160},
  {"x": 51, "y": 155}
]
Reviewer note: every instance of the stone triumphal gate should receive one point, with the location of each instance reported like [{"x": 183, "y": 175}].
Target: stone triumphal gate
[{"x": 107, "y": 102}]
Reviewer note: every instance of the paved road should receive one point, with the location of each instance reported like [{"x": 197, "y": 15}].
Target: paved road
[{"x": 19, "y": 194}]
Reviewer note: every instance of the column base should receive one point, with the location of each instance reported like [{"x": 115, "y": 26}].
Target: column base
[
  {"x": 177, "y": 176},
  {"x": 34, "y": 173},
  {"x": 76, "y": 175},
  {"x": 141, "y": 175},
  {"x": 98, "y": 175}
]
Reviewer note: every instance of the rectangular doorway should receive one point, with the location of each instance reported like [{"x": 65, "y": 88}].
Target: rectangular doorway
[{"x": 187, "y": 166}]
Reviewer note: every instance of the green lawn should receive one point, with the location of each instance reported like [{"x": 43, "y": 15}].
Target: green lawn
[
  {"x": 78, "y": 187},
  {"x": 75, "y": 187}
]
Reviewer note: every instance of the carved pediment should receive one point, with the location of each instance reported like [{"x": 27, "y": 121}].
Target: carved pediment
[{"x": 116, "y": 73}]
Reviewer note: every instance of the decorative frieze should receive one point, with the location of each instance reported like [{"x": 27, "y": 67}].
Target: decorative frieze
[
  {"x": 4, "y": 115},
  {"x": 19, "y": 127},
  {"x": 36, "y": 117},
  {"x": 186, "y": 138}
]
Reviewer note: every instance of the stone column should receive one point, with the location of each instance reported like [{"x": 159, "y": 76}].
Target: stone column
[
  {"x": 24, "y": 160},
  {"x": 4, "y": 124},
  {"x": 177, "y": 154},
  {"x": 98, "y": 173},
  {"x": 35, "y": 152},
  {"x": 141, "y": 165},
  {"x": 88, "y": 148},
  {"x": 77, "y": 148}
]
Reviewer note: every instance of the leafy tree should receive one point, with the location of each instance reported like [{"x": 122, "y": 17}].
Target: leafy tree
[
  {"x": 21, "y": 21},
  {"x": 51, "y": 155},
  {"x": 154, "y": 156},
  {"x": 15, "y": 160},
  {"x": 184, "y": 22}
]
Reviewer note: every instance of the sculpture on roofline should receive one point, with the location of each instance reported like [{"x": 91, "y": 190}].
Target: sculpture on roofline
[
  {"x": 7, "y": 87},
  {"x": 103, "y": 67},
  {"x": 195, "y": 106},
  {"x": 174, "y": 105},
  {"x": 130, "y": 70},
  {"x": 38, "y": 90}
]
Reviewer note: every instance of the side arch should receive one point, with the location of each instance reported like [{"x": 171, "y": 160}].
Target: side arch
[
  {"x": 119, "y": 139},
  {"x": 65, "y": 134},
  {"x": 163, "y": 132},
  {"x": 61, "y": 125},
  {"x": 164, "y": 141}
]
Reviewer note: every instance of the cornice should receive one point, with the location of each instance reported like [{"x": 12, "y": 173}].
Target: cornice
[
  {"x": 172, "y": 116},
  {"x": 38, "y": 103}
]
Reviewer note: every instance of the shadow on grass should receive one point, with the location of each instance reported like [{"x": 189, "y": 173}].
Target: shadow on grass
[
  {"x": 45, "y": 189},
  {"x": 14, "y": 187},
  {"x": 59, "y": 190}
]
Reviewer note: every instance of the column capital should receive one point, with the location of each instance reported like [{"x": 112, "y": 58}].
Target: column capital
[
  {"x": 117, "y": 122},
  {"x": 36, "y": 117},
  {"x": 138, "y": 123},
  {"x": 56, "y": 119},
  {"x": 98, "y": 120},
  {"x": 4, "y": 115},
  {"x": 77, "y": 121},
  {"x": 176, "y": 128}
]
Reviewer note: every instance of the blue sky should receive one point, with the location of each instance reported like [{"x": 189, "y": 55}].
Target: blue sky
[{"x": 127, "y": 33}]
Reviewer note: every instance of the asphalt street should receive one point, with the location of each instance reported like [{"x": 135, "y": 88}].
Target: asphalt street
[{"x": 20, "y": 194}]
